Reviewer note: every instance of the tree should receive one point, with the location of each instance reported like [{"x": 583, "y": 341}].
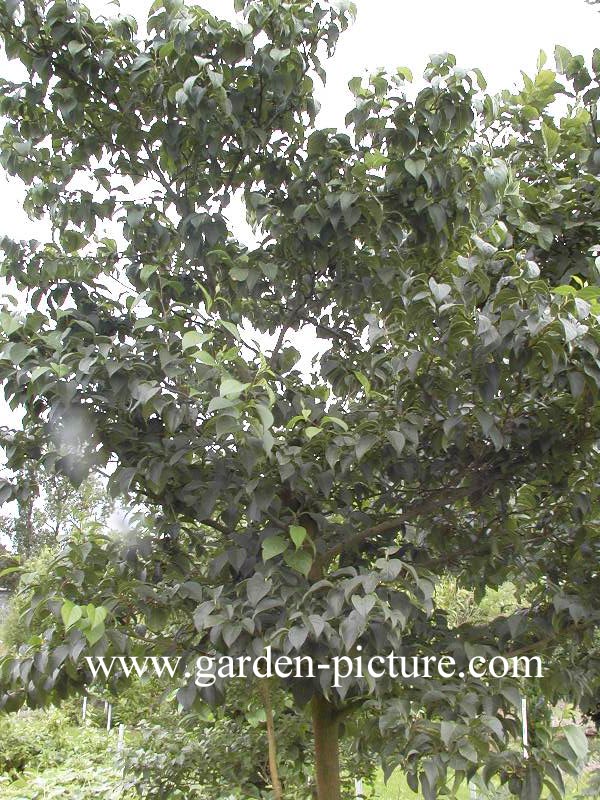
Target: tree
[
  {"x": 48, "y": 506},
  {"x": 444, "y": 247},
  {"x": 8, "y": 569}
]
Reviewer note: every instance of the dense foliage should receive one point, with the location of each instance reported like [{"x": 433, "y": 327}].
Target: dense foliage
[
  {"x": 45, "y": 756},
  {"x": 445, "y": 247}
]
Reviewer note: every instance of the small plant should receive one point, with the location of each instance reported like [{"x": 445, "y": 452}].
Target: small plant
[{"x": 18, "y": 750}]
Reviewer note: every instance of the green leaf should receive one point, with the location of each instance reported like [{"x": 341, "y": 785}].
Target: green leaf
[
  {"x": 245, "y": 30},
  {"x": 147, "y": 271},
  {"x": 10, "y": 323},
  {"x": 267, "y": 441},
  {"x": 336, "y": 421},
  {"x": 563, "y": 58},
  {"x": 375, "y": 160},
  {"x": 485, "y": 248},
  {"x": 573, "y": 329},
  {"x": 75, "y": 47},
  {"x": 62, "y": 370},
  {"x": 438, "y": 216},
  {"x": 298, "y": 560},
  {"x": 447, "y": 730},
  {"x": 364, "y": 444},
  {"x": 298, "y": 534},
  {"x": 12, "y": 6},
  {"x": 355, "y": 85},
  {"x": 481, "y": 81},
  {"x": 532, "y": 785},
  {"x": 551, "y": 139},
  {"x": 216, "y": 78},
  {"x": 141, "y": 61},
  {"x": 186, "y": 695},
  {"x": 311, "y": 431},
  {"x": 72, "y": 240},
  {"x": 192, "y": 589},
  {"x": 96, "y": 616},
  {"x": 266, "y": 417},
  {"x": 145, "y": 391},
  {"x": 300, "y": 212},
  {"x": 398, "y": 440},
  {"x": 545, "y": 237},
  {"x": 219, "y": 403},
  {"x": 347, "y": 199},
  {"x": 497, "y": 174},
  {"x": 576, "y": 383},
  {"x": 70, "y": 613},
  {"x": 239, "y": 273},
  {"x": 232, "y": 387},
  {"x": 10, "y": 571},
  {"x": 273, "y": 546},
  {"x": 512, "y": 694},
  {"x": 440, "y": 291},
  {"x": 577, "y": 740},
  {"x": 364, "y": 605},
  {"x": 415, "y": 167},
  {"x": 278, "y": 55},
  {"x": 257, "y": 587},
  {"x": 364, "y": 382},
  {"x": 233, "y": 329},
  {"x": 194, "y": 339},
  {"x": 541, "y": 61},
  {"x": 94, "y": 634},
  {"x": 205, "y": 358},
  {"x": 351, "y": 628}
]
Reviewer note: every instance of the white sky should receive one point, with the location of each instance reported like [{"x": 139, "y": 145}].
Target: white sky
[{"x": 501, "y": 38}]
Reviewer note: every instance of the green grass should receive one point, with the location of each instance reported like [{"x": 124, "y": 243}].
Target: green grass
[{"x": 398, "y": 789}]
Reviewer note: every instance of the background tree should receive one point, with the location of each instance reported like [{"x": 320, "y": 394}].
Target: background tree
[
  {"x": 48, "y": 506},
  {"x": 8, "y": 569},
  {"x": 445, "y": 247}
]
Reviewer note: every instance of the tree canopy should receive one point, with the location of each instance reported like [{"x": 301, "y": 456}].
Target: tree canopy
[{"x": 444, "y": 245}]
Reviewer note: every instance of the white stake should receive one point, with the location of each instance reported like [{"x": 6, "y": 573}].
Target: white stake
[
  {"x": 109, "y": 717},
  {"x": 358, "y": 785},
  {"x": 524, "y": 721},
  {"x": 84, "y": 709},
  {"x": 120, "y": 737}
]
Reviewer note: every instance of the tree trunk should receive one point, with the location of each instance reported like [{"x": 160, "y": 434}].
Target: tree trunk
[
  {"x": 327, "y": 753},
  {"x": 273, "y": 766}
]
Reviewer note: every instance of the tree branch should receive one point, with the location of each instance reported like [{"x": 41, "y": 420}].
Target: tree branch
[{"x": 395, "y": 523}]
